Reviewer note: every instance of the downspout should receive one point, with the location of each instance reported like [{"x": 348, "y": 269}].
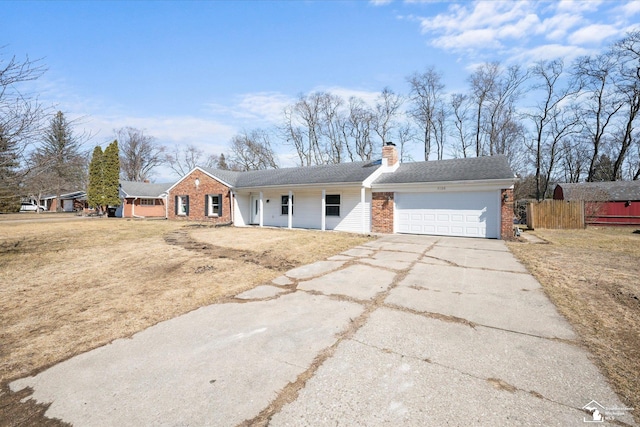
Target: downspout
[
  {"x": 232, "y": 204},
  {"x": 133, "y": 209},
  {"x": 166, "y": 206},
  {"x": 363, "y": 203}
]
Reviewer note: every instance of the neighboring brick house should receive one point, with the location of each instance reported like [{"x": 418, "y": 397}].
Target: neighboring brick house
[
  {"x": 469, "y": 197},
  {"x": 142, "y": 200}
]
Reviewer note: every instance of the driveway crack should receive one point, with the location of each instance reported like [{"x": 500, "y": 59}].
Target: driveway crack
[{"x": 291, "y": 391}]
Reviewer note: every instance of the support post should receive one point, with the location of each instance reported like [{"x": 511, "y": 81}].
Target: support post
[
  {"x": 290, "y": 210},
  {"x": 323, "y": 221},
  {"x": 363, "y": 217},
  {"x": 261, "y": 214}
]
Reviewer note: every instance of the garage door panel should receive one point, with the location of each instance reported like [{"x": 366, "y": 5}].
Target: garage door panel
[{"x": 472, "y": 214}]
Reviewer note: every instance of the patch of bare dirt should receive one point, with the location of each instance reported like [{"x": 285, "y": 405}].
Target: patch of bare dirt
[{"x": 266, "y": 259}]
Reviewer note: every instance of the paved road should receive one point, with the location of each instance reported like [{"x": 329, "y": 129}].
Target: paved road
[{"x": 405, "y": 330}]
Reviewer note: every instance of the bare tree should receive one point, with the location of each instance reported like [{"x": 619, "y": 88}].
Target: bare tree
[
  {"x": 139, "y": 154},
  {"x": 21, "y": 113},
  {"x": 332, "y": 125},
  {"x": 183, "y": 159},
  {"x": 21, "y": 121},
  {"x": 483, "y": 82},
  {"x": 302, "y": 128},
  {"x": 360, "y": 125},
  {"x": 405, "y": 136},
  {"x": 551, "y": 119},
  {"x": 427, "y": 97},
  {"x": 252, "y": 151},
  {"x": 501, "y": 124},
  {"x": 627, "y": 54},
  {"x": 387, "y": 106},
  {"x": 575, "y": 158},
  {"x": 600, "y": 103},
  {"x": 460, "y": 107}
]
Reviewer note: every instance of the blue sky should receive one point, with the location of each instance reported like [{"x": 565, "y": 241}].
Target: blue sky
[{"x": 198, "y": 72}]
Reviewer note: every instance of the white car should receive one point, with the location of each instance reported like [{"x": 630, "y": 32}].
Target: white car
[{"x": 31, "y": 207}]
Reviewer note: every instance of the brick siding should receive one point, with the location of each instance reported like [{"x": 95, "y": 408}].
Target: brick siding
[
  {"x": 157, "y": 210},
  {"x": 382, "y": 212},
  {"x": 208, "y": 185},
  {"x": 390, "y": 153},
  {"x": 506, "y": 214}
]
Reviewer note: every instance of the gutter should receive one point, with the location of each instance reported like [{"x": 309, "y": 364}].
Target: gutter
[
  {"x": 487, "y": 182},
  {"x": 314, "y": 185}
]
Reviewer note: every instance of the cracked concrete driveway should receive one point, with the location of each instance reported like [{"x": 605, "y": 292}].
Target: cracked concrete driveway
[{"x": 405, "y": 330}]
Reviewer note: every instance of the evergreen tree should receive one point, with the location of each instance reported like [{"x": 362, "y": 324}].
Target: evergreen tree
[
  {"x": 95, "y": 189},
  {"x": 111, "y": 174},
  {"x": 60, "y": 152},
  {"x": 222, "y": 162},
  {"x": 603, "y": 169},
  {"x": 9, "y": 199}
]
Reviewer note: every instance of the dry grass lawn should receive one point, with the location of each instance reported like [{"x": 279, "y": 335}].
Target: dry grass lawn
[
  {"x": 70, "y": 286},
  {"x": 593, "y": 277}
]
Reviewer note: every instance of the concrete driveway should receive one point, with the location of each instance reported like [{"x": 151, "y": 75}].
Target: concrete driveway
[{"x": 405, "y": 330}]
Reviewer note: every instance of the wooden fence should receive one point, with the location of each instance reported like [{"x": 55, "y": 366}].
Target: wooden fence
[{"x": 558, "y": 214}]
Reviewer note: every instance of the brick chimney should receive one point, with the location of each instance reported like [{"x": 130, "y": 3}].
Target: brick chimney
[{"x": 390, "y": 153}]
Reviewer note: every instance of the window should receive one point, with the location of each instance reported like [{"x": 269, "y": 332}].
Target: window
[
  {"x": 148, "y": 202},
  {"x": 285, "y": 205},
  {"x": 182, "y": 205},
  {"x": 332, "y": 205},
  {"x": 213, "y": 205}
]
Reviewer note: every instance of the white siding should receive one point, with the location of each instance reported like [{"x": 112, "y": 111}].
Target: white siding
[
  {"x": 241, "y": 210},
  {"x": 351, "y": 212},
  {"x": 307, "y": 209}
]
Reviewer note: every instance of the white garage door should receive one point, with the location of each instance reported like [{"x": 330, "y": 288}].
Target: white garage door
[{"x": 473, "y": 214}]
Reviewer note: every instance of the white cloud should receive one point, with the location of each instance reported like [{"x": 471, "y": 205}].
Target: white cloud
[
  {"x": 557, "y": 26},
  {"x": 265, "y": 106},
  {"x": 176, "y": 130},
  {"x": 577, "y": 6},
  {"x": 548, "y": 52},
  {"x": 481, "y": 24},
  {"x": 631, "y": 8},
  {"x": 593, "y": 34},
  {"x": 249, "y": 110},
  {"x": 380, "y": 2},
  {"x": 470, "y": 39},
  {"x": 513, "y": 31}
]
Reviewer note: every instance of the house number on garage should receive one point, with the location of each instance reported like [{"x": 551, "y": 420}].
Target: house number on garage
[{"x": 442, "y": 188}]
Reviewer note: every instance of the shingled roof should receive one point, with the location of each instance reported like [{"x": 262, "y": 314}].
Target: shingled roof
[
  {"x": 467, "y": 169},
  {"x": 616, "y": 191},
  {"x": 342, "y": 173},
  {"x": 143, "y": 189}
]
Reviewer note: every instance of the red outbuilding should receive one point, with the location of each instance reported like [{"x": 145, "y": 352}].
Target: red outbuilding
[{"x": 606, "y": 203}]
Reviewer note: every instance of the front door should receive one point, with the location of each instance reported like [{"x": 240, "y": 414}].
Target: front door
[{"x": 255, "y": 209}]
